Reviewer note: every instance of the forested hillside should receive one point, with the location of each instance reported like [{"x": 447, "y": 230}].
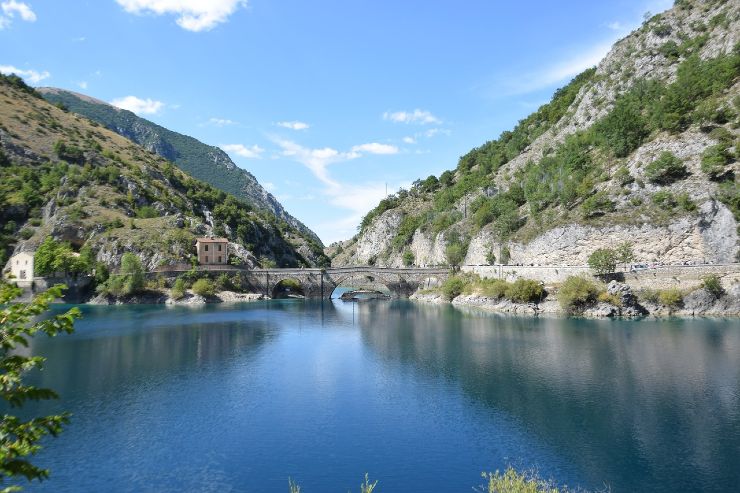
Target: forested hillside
[
  {"x": 66, "y": 177},
  {"x": 207, "y": 163},
  {"x": 641, "y": 148}
]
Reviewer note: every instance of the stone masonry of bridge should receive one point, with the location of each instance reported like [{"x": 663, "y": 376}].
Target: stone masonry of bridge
[{"x": 319, "y": 283}]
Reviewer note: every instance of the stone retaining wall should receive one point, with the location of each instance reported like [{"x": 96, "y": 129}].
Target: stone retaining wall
[{"x": 684, "y": 277}]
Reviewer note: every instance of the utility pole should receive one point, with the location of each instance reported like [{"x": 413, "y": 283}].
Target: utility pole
[{"x": 386, "y": 189}]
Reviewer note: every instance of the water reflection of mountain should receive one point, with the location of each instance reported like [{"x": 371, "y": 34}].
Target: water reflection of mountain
[
  {"x": 140, "y": 344},
  {"x": 646, "y": 402}
]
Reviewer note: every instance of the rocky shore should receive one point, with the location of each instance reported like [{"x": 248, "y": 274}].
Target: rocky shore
[
  {"x": 624, "y": 303},
  {"x": 154, "y": 297}
]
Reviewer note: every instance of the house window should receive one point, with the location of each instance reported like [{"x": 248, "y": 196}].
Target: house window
[
  {"x": 206, "y": 258},
  {"x": 206, "y": 248},
  {"x": 219, "y": 259}
]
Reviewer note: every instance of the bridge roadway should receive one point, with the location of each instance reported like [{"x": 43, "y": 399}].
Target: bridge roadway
[{"x": 320, "y": 283}]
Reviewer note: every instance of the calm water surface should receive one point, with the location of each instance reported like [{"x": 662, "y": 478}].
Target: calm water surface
[{"x": 424, "y": 398}]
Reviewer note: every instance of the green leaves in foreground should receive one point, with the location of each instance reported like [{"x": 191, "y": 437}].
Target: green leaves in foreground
[{"x": 18, "y": 323}]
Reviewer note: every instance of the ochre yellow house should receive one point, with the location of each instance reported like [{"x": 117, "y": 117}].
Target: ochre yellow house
[{"x": 212, "y": 251}]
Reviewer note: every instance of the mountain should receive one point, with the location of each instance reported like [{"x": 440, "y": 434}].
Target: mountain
[
  {"x": 207, "y": 163},
  {"x": 640, "y": 149},
  {"x": 65, "y": 176}
]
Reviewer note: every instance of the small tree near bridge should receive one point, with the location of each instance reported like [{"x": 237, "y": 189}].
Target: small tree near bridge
[{"x": 603, "y": 261}]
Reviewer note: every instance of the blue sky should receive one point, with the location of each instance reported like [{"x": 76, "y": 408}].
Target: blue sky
[{"x": 325, "y": 102}]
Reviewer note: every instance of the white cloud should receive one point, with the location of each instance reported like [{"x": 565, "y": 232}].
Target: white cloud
[
  {"x": 254, "y": 152},
  {"x": 269, "y": 186},
  {"x": 139, "y": 106},
  {"x": 436, "y": 131},
  {"x": 409, "y": 140},
  {"x": 315, "y": 160},
  {"x": 615, "y": 26},
  {"x": 221, "y": 122},
  {"x": 31, "y": 76},
  {"x": 376, "y": 148},
  {"x": 421, "y": 117},
  {"x": 192, "y": 15},
  {"x": 82, "y": 84},
  {"x": 294, "y": 125},
  {"x": 318, "y": 160},
  {"x": 11, "y": 8}
]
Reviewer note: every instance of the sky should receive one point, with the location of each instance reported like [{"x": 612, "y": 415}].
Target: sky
[{"x": 329, "y": 103}]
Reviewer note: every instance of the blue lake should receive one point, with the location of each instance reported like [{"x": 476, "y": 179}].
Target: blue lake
[{"x": 240, "y": 397}]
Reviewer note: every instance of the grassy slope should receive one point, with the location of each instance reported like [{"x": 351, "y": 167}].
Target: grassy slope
[
  {"x": 207, "y": 163},
  {"x": 111, "y": 181}
]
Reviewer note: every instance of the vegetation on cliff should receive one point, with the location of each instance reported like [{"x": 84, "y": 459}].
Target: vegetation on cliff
[
  {"x": 66, "y": 177},
  {"x": 582, "y": 159},
  {"x": 207, "y": 163}
]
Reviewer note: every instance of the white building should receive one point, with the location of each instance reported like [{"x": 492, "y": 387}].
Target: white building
[{"x": 21, "y": 267}]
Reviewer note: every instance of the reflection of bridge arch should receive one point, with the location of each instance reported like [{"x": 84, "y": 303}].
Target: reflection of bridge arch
[{"x": 360, "y": 281}]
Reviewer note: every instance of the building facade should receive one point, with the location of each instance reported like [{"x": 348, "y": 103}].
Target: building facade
[
  {"x": 21, "y": 267},
  {"x": 212, "y": 251}
]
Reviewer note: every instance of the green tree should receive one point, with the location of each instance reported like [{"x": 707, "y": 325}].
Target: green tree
[
  {"x": 19, "y": 438},
  {"x": 133, "y": 272},
  {"x": 666, "y": 169},
  {"x": 624, "y": 254},
  {"x": 408, "y": 258},
  {"x": 178, "y": 290},
  {"x": 454, "y": 255},
  {"x": 53, "y": 256},
  {"x": 490, "y": 257},
  {"x": 603, "y": 261}
]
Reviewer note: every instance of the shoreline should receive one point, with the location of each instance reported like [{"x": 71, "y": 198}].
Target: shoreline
[{"x": 726, "y": 307}]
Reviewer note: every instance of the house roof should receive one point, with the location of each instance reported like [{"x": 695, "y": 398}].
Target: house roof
[{"x": 212, "y": 240}]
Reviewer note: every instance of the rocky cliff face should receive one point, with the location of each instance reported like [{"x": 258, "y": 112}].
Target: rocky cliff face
[
  {"x": 207, "y": 163},
  {"x": 597, "y": 193},
  {"x": 63, "y": 176}
]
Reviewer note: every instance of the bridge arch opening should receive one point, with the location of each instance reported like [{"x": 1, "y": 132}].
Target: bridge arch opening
[
  {"x": 287, "y": 288},
  {"x": 360, "y": 282}
]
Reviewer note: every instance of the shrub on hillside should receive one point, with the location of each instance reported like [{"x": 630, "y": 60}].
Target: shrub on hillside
[
  {"x": 493, "y": 288},
  {"x": 453, "y": 287},
  {"x": 408, "y": 258},
  {"x": 670, "y": 297},
  {"x": 204, "y": 287},
  {"x": 178, "y": 290},
  {"x": 525, "y": 291},
  {"x": 223, "y": 282},
  {"x": 712, "y": 284},
  {"x": 666, "y": 169},
  {"x": 715, "y": 159},
  {"x": 597, "y": 205},
  {"x": 576, "y": 293}
]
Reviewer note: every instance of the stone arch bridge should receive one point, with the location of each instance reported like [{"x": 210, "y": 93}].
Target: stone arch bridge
[{"x": 320, "y": 283}]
